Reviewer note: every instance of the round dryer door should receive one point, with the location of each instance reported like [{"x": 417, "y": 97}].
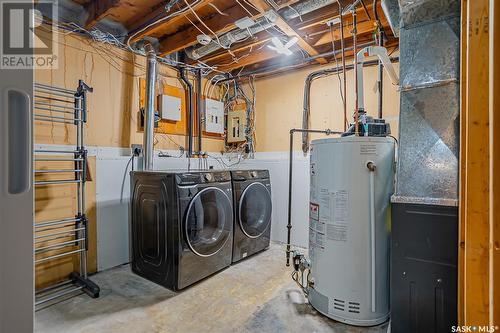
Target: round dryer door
[
  {"x": 255, "y": 210},
  {"x": 208, "y": 221}
]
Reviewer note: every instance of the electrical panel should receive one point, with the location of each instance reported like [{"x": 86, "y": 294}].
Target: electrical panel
[
  {"x": 214, "y": 116},
  {"x": 170, "y": 107},
  {"x": 236, "y": 125}
]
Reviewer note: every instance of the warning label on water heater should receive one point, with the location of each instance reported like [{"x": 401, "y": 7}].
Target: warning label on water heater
[
  {"x": 368, "y": 149},
  {"x": 337, "y": 215}
]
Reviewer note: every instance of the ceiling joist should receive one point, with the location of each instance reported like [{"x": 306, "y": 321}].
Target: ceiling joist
[
  {"x": 138, "y": 29},
  {"x": 218, "y": 24},
  {"x": 98, "y": 10},
  {"x": 287, "y": 29},
  {"x": 179, "y": 31}
]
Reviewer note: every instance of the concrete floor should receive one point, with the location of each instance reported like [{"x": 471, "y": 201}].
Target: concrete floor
[{"x": 256, "y": 295}]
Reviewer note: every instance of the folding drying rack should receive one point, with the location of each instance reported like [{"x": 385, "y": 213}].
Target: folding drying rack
[{"x": 65, "y": 237}]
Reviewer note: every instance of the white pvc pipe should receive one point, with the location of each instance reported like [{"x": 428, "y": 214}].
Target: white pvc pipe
[{"x": 372, "y": 235}]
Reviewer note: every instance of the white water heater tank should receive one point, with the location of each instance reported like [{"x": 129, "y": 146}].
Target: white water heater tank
[{"x": 352, "y": 180}]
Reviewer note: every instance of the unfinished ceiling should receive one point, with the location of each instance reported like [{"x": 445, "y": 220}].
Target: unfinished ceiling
[{"x": 177, "y": 25}]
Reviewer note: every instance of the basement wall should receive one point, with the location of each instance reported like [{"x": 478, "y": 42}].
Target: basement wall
[
  {"x": 112, "y": 128},
  {"x": 280, "y": 103}
]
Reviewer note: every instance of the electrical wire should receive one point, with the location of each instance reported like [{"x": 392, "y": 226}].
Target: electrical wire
[
  {"x": 217, "y": 9},
  {"x": 337, "y": 65},
  {"x": 180, "y": 11}
]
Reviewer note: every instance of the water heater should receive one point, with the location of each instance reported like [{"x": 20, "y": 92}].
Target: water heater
[{"x": 352, "y": 180}]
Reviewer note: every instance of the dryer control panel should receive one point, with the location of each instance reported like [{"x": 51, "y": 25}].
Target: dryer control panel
[{"x": 202, "y": 177}]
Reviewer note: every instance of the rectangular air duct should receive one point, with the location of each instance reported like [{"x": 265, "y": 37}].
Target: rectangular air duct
[{"x": 425, "y": 205}]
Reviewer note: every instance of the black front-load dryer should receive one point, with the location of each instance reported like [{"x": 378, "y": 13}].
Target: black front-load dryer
[
  {"x": 181, "y": 225},
  {"x": 252, "y": 212}
]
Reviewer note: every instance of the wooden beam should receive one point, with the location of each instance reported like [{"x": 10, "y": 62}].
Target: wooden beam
[
  {"x": 97, "y": 10},
  {"x": 251, "y": 59},
  {"x": 218, "y": 23},
  {"x": 475, "y": 221},
  {"x": 363, "y": 28},
  {"x": 254, "y": 44},
  {"x": 494, "y": 162},
  {"x": 287, "y": 29},
  {"x": 287, "y": 3},
  {"x": 323, "y": 17},
  {"x": 462, "y": 164},
  {"x": 155, "y": 15}
]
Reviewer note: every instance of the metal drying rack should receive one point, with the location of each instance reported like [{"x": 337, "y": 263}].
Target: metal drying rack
[{"x": 65, "y": 237}]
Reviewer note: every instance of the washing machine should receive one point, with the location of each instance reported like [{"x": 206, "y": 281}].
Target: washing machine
[
  {"x": 181, "y": 225},
  {"x": 252, "y": 211}
]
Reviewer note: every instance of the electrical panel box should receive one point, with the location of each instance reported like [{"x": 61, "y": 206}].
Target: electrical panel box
[
  {"x": 170, "y": 107},
  {"x": 236, "y": 125},
  {"x": 214, "y": 116}
]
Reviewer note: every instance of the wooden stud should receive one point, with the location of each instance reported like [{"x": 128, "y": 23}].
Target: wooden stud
[
  {"x": 463, "y": 158},
  {"x": 475, "y": 219},
  {"x": 494, "y": 276}
]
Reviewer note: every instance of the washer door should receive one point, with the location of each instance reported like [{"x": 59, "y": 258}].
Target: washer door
[
  {"x": 255, "y": 210},
  {"x": 208, "y": 221}
]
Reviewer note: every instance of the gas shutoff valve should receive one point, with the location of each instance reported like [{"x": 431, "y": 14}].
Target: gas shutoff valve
[{"x": 300, "y": 262}]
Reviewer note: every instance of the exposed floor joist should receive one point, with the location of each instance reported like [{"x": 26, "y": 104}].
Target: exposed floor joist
[
  {"x": 287, "y": 29},
  {"x": 98, "y": 10},
  {"x": 177, "y": 27},
  {"x": 218, "y": 24}
]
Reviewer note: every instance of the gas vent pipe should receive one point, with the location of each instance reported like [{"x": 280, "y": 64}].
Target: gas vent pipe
[{"x": 149, "y": 114}]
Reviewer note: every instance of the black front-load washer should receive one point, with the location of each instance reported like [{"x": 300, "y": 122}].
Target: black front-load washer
[
  {"x": 181, "y": 225},
  {"x": 252, "y": 212}
]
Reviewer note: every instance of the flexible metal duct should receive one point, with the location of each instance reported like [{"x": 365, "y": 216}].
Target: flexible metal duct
[
  {"x": 429, "y": 117},
  {"x": 231, "y": 37},
  {"x": 265, "y": 22},
  {"x": 149, "y": 112},
  {"x": 391, "y": 11},
  {"x": 303, "y": 8}
]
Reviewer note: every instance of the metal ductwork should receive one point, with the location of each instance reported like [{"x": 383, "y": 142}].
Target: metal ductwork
[
  {"x": 424, "y": 223},
  {"x": 267, "y": 21},
  {"x": 429, "y": 116},
  {"x": 149, "y": 112},
  {"x": 263, "y": 23},
  {"x": 391, "y": 11},
  {"x": 305, "y": 7}
]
